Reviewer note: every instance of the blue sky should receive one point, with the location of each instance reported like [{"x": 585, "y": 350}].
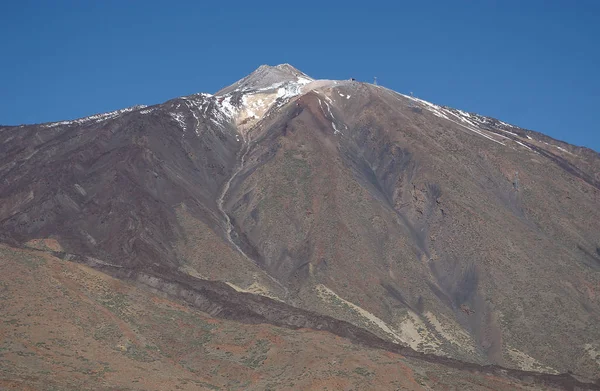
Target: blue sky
[{"x": 532, "y": 63}]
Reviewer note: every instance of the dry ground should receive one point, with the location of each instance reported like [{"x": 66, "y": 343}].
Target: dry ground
[{"x": 68, "y": 327}]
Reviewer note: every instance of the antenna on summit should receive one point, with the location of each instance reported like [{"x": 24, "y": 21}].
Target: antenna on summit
[{"x": 375, "y": 81}]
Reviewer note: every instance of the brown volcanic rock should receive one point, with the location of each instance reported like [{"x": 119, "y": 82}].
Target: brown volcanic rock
[
  {"x": 67, "y": 326},
  {"x": 453, "y": 233},
  {"x": 108, "y": 188}
]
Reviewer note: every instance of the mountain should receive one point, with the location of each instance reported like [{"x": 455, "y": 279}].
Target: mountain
[{"x": 329, "y": 205}]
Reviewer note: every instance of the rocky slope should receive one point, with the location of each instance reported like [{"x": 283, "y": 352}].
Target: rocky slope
[
  {"x": 69, "y": 327},
  {"x": 449, "y": 232}
]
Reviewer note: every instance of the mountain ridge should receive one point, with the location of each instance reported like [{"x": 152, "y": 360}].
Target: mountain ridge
[{"x": 288, "y": 69}]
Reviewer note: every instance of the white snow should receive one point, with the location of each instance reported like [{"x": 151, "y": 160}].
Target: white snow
[
  {"x": 464, "y": 113},
  {"x": 444, "y": 113},
  {"x": 321, "y": 105},
  {"x": 180, "y": 118},
  {"x": 502, "y": 136},
  {"x": 564, "y": 150},
  {"x": 336, "y": 130},
  {"x": 225, "y": 111},
  {"x": 329, "y": 110},
  {"x": 190, "y": 104},
  {"x": 96, "y": 117},
  {"x": 556, "y": 146},
  {"x": 329, "y": 115},
  {"x": 228, "y": 109},
  {"x": 303, "y": 80},
  {"x": 520, "y": 143},
  {"x": 268, "y": 88},
  {"x": 460, "y": 117},
  {"x": 506, "y": 131},
  {"x": 254, "y": 103},
  {"x": 480, "y": 132}
]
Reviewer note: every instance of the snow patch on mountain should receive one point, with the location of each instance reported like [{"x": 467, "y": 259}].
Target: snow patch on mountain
[
  {"x": 94, "y": 118},
  {"x": 180, "y": 119},
  {"x": 472, "y": 122},
  {"x": 523, "y": 145},
  {"x": 245, "y": 106},
  {"x": 329, "y": 115}
]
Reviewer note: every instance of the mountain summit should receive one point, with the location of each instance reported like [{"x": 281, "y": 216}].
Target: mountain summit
[
  {"x": 267, "y": 76},
  {"x": 333, "y": 205}
]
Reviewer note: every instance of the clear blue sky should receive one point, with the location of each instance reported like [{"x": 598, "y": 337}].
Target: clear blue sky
[{"x": 534, "y": 63}]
